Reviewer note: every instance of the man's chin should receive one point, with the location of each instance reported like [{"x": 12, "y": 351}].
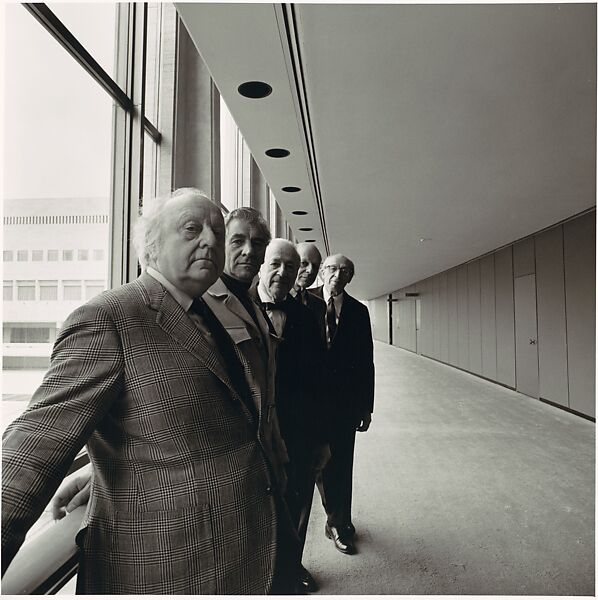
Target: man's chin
[
  {"x": 245, "y": 273},
  {"x": 279, "y": 294}
]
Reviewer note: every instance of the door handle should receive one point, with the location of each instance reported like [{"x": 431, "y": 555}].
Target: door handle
[{"x": 532, "y": 341}]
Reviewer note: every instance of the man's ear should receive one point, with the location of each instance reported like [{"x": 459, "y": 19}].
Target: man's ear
[{"x": 350, "y": 278}]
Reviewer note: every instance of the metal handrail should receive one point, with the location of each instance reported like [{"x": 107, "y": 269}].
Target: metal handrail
[{"x": 45, "y": 564}]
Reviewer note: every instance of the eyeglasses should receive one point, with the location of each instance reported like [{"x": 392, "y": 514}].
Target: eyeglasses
[{"x": 332, "y": 269}]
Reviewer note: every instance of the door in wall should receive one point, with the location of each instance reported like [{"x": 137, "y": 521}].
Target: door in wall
[{"x": 526, "y": 336}]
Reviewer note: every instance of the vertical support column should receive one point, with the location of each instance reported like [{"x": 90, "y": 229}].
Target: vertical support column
[
  {"x": 194, "y": 126},
  {"x": 259, "y": 190},
  {"x": 166, "y": 104},
  {"x": 128, "y": 141},
  {"x": 280, "y": 222}
]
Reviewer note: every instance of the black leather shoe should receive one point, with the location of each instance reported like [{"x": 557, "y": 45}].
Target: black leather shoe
[
  {"x": 306, "y": 583},
  {"x": 340, "y": 540}
]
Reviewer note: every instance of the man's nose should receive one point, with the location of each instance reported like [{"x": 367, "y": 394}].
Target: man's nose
[
  {"x": 247, "y": 249},
  {"x": 208, "y": 238},
  {"x": 283, "y": 270}
]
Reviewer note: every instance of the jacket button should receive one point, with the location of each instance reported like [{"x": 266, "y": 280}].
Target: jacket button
[{"x": 269, "y": 490}]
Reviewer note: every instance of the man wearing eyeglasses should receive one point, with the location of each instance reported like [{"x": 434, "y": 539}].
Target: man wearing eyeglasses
[{"x": 350, "y": 390}]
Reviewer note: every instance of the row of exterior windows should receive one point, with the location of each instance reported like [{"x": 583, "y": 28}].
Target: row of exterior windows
[
  {"x": 54, "y": 255},
  {"x": 29, "y": 333},
  {"x": 56, "y": 220},
  {"x": 30, "y": 290}
]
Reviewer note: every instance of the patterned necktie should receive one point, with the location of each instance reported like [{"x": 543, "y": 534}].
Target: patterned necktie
[
  {"x": 330, "y": 320},
  {"x": 226, "y": 348}
]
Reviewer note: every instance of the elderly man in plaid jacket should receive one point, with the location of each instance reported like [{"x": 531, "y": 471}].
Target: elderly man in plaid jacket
[{"x": 184, "y": 497}]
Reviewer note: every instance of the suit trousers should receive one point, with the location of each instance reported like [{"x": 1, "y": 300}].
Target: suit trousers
[
  {"x": 335, "y": 483},
  {"x": 288, "y": 554},
  {"x": 302, "y": 470}
]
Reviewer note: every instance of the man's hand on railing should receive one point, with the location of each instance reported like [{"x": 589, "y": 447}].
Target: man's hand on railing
[{"x": 72, "y": 493}]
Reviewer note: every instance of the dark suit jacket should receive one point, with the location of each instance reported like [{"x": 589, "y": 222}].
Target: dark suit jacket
[
  {"x": 300, "y": 401},
  {"x": 318, "y": 307},
  {"x": 350, "y": 362},
  {"x": 181, "y": 495}
]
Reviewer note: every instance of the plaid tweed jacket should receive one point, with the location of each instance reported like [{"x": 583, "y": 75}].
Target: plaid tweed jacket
[{"x": 182, "y": 494}]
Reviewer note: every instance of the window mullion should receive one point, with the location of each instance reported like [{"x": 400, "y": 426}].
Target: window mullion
[{"x": 72, "y": 45}]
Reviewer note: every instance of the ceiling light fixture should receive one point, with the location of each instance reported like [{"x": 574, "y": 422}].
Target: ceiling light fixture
[
  {"x": 306, "y": 228},
  {"x": 300, "y": 212},
  {"x": 291, "y": 188},
  {"x": 310, "y": 240},
  {"x": 255, "y": 89},
  {"x": 277, "y": 153}
]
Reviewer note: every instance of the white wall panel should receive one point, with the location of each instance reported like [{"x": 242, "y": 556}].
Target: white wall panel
[
  {"x": 579, "y": 237},
  {"x": 453, "y": 324},
  {"x": 523, "y": 258},
  {"x": 443, "y": 318},
  {"x": 552, "y": 330},
  {"x": 462, "y": 317},
  {"x": 406, "y": 330},
  {"x": 505, "y": 317},
  {"x": 474, "y": 317},
  {"x": 488, "y": 316},
  {"x": 379, "y": 316},
  {"x": 436, "y": 318}
]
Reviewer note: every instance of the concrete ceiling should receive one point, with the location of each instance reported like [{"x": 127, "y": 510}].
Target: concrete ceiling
[{"x": 470, "y": 126}]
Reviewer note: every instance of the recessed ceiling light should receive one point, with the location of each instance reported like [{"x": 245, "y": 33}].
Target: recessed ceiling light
[
  {"x": 277, "y": 153},
  {"x": 422, "y": 240},
  {"x": 291, "y": 188},
  {"x": 306, "y": 228},
  {"x": 300, "y": 212},
  {"x": 255, "y": 89}
]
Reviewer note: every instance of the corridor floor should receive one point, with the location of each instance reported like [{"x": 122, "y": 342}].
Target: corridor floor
[{"x": 463, "y": 487}]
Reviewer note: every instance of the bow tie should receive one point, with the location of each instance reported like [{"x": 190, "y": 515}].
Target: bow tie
[{"x": 282, "y": 305}]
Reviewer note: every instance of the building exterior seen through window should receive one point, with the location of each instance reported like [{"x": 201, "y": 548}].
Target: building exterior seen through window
[{"x": 56, "y": 189}]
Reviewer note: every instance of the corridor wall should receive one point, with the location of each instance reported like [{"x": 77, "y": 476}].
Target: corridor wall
[
  {"x": 466, "y": 316},
  {"x": 379, "y": 317}
]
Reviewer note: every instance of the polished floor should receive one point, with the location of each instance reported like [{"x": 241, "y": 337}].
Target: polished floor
[{"x": 463, "y": 487}]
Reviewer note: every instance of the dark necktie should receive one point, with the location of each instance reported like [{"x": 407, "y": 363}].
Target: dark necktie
[
  {"x": 226, "y": 348},
  {"x": 303, "y": 296},
  {"x": 331, "y": 320},
  {"x": 267, "y": 317}
]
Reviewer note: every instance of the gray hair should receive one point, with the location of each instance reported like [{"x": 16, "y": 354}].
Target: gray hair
[
  {"x": 147, "y": 230},
  {"x": 251, "y": 216}
]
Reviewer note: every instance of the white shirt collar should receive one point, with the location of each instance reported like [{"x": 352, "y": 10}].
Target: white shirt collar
[
  {"x": 338, "y": 300},
  {"x": 265, "y": 297},
  {"x": 181, "y": 297}
]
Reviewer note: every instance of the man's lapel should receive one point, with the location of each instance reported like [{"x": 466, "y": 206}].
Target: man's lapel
[
  {"x": 174, "y": 321},
  {"x": 232, "y": 303}
]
